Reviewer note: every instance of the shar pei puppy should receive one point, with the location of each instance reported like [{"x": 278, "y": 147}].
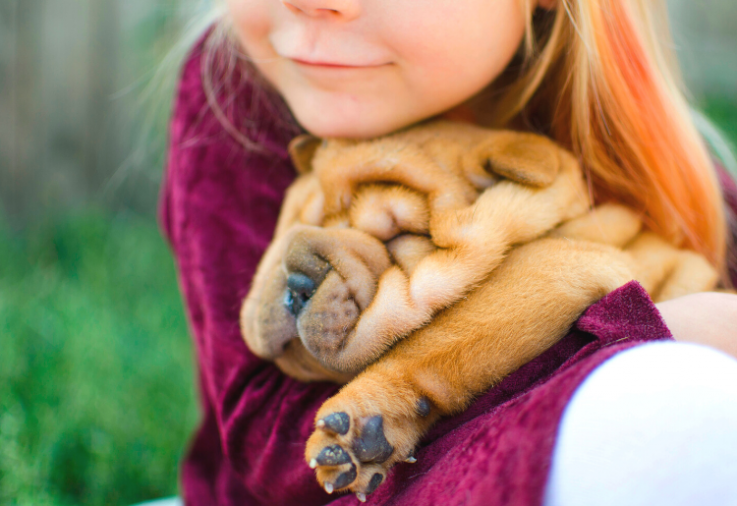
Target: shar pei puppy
[{"x": 421, "y": 268}]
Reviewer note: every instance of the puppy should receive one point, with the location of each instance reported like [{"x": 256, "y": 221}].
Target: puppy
[
  {"x": 429, "y": 262},
  {"x": 472, "y": 193}
]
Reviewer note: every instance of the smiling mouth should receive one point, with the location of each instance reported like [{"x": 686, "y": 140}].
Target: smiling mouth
[{"x": 329, "y": 65}]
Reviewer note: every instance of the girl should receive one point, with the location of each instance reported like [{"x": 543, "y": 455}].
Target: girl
[{"x": 593, "y": 75}]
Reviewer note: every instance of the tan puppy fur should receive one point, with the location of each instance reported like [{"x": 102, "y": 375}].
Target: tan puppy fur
[
  {"x": 440, "y": 180},
  {"x": 410, "y": 266},
  {"x": 525, "y": 306}
]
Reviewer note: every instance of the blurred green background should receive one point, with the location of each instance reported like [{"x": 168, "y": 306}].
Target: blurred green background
[{"x": 97, "y": 396}]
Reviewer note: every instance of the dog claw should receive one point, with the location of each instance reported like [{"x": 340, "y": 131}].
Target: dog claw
[
  {"x": 372, "y": 446},
  {"x": 332, "y": 455},
  {"x": 313, "y": 464},
  {"x": 346, "y": 478},
  {"x": 335, "y": 422},
  {"x": 361, "y": 496},
  {"x": 329, "y": 487},
  {"x": 410, "y": 460}
]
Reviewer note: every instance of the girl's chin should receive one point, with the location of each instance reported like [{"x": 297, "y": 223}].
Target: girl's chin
[
  {"x": 342, "y": 116},
  {"x": 359, "y": 125}
]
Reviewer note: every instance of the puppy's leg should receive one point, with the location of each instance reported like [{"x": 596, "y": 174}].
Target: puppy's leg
[
  {"x": 692, "y": 274},
  {"x": 472, "y": 242},
  {"x": 523, "y": 308},
  {"x": 667, "y": 272},
  {"x": 611, "y": 224}
]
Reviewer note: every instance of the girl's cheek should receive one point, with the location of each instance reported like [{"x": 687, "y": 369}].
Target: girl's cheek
[{"x": 252, "y": 22}]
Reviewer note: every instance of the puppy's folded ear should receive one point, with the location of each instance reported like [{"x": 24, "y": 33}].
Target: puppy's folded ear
[
  {"x": 525, "y": 158},
  {"x": 302, "y": 150}
]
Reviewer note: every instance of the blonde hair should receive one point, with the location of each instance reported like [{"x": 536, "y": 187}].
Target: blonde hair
[
  {"x": 221, "y": 59},
  {"x": 597, "y": 76}
]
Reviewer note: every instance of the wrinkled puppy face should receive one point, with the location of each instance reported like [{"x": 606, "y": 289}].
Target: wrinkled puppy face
[
  {"x": 302, "y": 307},
  {"x": 319, "y": 274},
  {"x": 316, "y": 294},
  {"x": 359, "y": 209}
]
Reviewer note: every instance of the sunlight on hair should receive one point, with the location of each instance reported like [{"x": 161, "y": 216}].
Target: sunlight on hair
[{"x": 605, "y": 84}]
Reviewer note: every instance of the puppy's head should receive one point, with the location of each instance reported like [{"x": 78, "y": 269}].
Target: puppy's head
[{"x": 309, "y": 291}]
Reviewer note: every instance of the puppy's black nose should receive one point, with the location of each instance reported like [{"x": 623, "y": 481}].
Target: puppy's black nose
[{"x": 299, "y": 290}]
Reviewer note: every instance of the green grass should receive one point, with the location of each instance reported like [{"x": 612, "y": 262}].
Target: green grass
[
  {"x": 723, "y": 112},
  {"x": 96, "y": 368}
]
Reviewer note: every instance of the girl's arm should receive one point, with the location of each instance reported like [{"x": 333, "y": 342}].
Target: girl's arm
[
  {"x": 703, "y": 318},
  {"x": 218, "y": 209},
  {"x": 653, "y": 425}
]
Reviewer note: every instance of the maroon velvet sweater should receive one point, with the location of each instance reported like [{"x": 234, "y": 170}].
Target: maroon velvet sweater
[{"x": 219, "y": 207}]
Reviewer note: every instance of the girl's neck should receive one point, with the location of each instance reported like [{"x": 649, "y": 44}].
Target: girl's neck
[
  {"x": 462, "y": 113},
  {"x": 473, "y": 112}
]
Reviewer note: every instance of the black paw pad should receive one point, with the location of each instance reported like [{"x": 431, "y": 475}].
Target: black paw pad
[
  {"x": 423, "y": 407},
  {"x": 376, "y": 480},
  {"x": 335, "y": 422},
  {"x": 372, "y": 446},
  {"x": 346, "y": 478},
  {"x": 333, "y": 455}
]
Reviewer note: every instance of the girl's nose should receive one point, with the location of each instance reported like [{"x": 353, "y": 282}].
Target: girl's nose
[{"x": 343, "y": 9}]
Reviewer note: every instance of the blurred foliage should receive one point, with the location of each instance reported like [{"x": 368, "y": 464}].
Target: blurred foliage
[
  {"x": 85, "y": 93},
  {"x": 96, "y": 377},
  {"x": 723, "y": 112}
]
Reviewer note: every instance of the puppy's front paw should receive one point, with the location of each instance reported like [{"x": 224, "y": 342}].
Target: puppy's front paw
[{"x": 363, "y": 431}]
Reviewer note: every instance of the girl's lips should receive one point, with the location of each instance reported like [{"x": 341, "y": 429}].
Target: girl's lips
[{"x": 331, "y": 65}]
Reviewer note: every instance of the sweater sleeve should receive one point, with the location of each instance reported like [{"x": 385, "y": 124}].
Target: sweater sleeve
[{"x": 218, "y": 209}]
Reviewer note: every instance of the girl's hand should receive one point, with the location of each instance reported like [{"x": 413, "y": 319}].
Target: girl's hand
[{"x": 708, "y": 318}]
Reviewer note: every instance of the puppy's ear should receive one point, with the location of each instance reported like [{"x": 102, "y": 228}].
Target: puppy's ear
[
  {"x": 526, "y": 158},
  {"x": 302, "y": 149}
]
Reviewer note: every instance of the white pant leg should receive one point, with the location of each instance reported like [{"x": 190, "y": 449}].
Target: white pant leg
[{"x": 654, "y": 425}]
